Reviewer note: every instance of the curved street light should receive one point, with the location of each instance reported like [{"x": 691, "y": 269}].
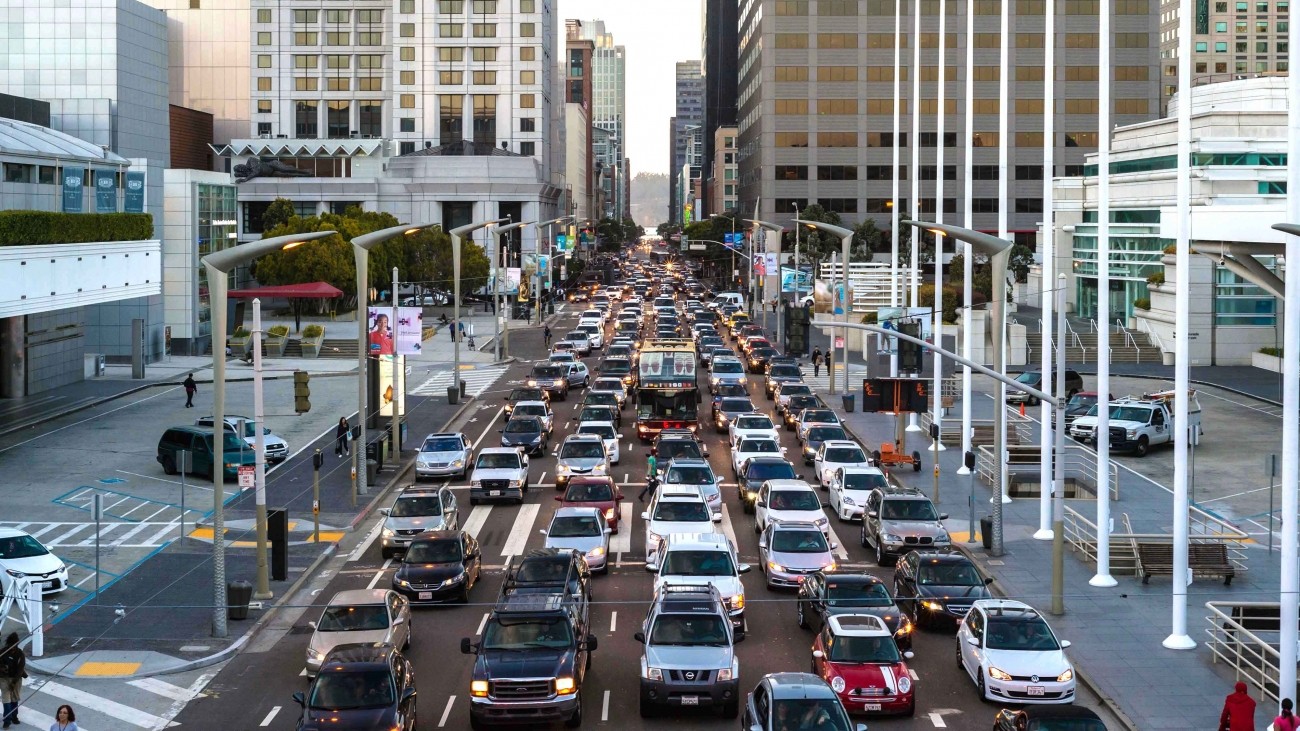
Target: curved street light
[
  {"x": 458, "y": 233},
  {"x": 846, "y": 241},
  {"x": 498, "y": 232}
]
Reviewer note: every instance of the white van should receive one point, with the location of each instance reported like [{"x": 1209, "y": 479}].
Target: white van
[{"x": 727, "y": 298}]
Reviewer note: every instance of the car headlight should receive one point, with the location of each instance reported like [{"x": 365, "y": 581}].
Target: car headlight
[
  {"x": 402, "y": 582},
  {"x": 809, "y": 451},
  {"x": 596, "y": 552},
  {"x": 478, "y": 688},
  {"x": 837, "y": 684},
  {"x": 737, "y": 602},
  {"x": 820, "y": 521},
  {"x": 1066, "y": 676},
  {"x": 774, "y": 566},
  {"x": 1132, "y": 433},
  {"x": 453, "y": 580},
  {"x": 532, "y": 383},
  {"x": 941, "y": 539},
  {"x": 725, "y": 674},
  {"x": 458, "y": 463},
  {"x": 654, "y": 538},
  {"x": 997, "y": 674},
  {"x": 476, "y": 484},
  {"x": 388, "y": 533},
  {"x": 830, "y": 565},
  {"x": 15, "y": 573},
  {"x": 654, "y": 674},
  {"x": 891, "y": 538},
  {"x": 905, "y": 628},
  {"x": 849, "y": 501},
  {"x": 904, "y": 684},
  {"x": 563, "y": 469},
  {"x": 933, "y": 606}
]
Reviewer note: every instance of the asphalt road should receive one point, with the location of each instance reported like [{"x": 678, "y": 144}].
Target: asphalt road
[{"x": 255, "y": 688}]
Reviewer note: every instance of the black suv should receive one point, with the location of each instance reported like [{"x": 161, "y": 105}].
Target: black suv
[
  {"x": 536, "y": 647},
  {"x": 672, "y": 444},
  {"x": 360, "y": 686},
  {"x": 938, "y": 588},
  {"x": 759, "y": 470}
]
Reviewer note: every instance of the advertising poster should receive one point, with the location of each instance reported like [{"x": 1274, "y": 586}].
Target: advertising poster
[
  {"x": 135, "y": 192},
  {"x": 74, "y": 182},
  {"x": 890, "y": 317},
  {"x": 544, "y": 271},
  {"x": 513, "y": 275},
  {"x": 106, "y": 191},
  {"x": 403, "y": 337},
  {"x": 788, "y": 278},
  {"x": 391, "y": 391}
]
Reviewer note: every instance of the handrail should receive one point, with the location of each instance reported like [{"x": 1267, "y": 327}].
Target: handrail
[
  {"x": 1252, "y": 653},
  {"x": 1079, "y": 343},
  {"x": 1119, "y": 325},
  {"x": 1151, "y": 334},
  {"x": 1082, "y": 532},
  {"x": 1092, "y": 326},
  {"x": 1132, "y": 341}
]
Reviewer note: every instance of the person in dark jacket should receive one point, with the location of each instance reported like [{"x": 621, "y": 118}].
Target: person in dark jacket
[
  {"x": 817, "y": 362},
  {"x": 1238, "y": 711},
  {"x": 190, "y": 389},
  {"x": 341, "y": 434},
  {"x": 13, "y": 668}
]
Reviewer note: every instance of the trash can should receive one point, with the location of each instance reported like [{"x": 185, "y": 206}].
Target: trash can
[
  {"x": 986, "y": 531},
  {"x": 372, "y": 470},
  {"x": 462, "y": 388},
  {"x": 453, "y": 395},
  {"x": 848, "y": 402},
  {"x": 238, "y": 595}
]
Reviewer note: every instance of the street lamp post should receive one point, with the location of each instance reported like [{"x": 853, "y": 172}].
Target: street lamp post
[
  {"x": 453, "y": 395},
  {"x": 361, "y": 247},
  {"x": 503, "y": 350},
  {"x": 1290, "y": 588},
  {"x": 219, "y": 264},
  {"x": 550, "y": 254},
  {"x": 778, "y": 230},
  {"x": 846, "y": 242}
]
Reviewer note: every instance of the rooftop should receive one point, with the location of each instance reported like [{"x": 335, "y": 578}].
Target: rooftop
[{"x": 23, "y": 138}]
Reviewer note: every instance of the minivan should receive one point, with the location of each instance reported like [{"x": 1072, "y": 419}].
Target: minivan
[{"x": 198, "y": 442}]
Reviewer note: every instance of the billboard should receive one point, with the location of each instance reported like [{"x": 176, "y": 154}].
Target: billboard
[
  {"x": 391, "y": 390},
  {"x": 404, "y": 337},
  {"x": 891, "y": 317},
  {"x": 788, "y": 277}
]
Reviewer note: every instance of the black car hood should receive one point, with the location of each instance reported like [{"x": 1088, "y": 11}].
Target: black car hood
[
  {"x": 540, "y": 663},
  {"x": 520, "y": 439},
  {"x": 891, "y": 614},
  {"x": 939, "y": 591},
  {"x": 428, "y": 573},
  {"x": 360, "y": 719}
]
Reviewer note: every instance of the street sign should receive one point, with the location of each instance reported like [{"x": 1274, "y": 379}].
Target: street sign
[
  {"x": 839, "y": 341},
  {"x": 246, "y": 477},
  {"x": 676, "y": 237},
  {"x": 698, "y": 247}
]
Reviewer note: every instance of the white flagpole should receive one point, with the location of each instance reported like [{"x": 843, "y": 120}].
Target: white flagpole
[
  {"x": 1047, "y": 296},
  {"x": 894, "y": 212},
  {"x": 968, "y": 253},
  {"x": 1004, "y": 145},
  {"x": 936, "y": 409}
]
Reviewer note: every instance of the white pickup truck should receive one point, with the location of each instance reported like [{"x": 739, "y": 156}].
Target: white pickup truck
[{"x": 1137, "y": 425}]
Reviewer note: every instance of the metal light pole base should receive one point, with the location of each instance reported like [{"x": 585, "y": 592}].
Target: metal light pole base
[
  {"x": 962, "y": 470},
  {"x": 911, "y": 422},
  {"x": 1006, "y": 499},
  {"x": 1105, "y": 581},
  {"x": 1043, "y": 534},
  {"x": 1179, "y": 642},
  {"x": 938, "y": 447}
]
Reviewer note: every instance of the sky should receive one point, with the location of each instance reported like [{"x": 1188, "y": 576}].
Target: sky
[{"x": 657, "y": 35}]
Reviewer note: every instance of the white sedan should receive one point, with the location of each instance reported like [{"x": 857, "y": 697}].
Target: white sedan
[
  {"x": 832, "y": 455},
  {"x": 850, "y": 487},
  {"x": 750, "y": 447},
  {"x": 1013, "y": 656},
  {"x": 22, "y": 556},
  {"x": 751, "y": 425},
  {"x": 607, "y": 432}
]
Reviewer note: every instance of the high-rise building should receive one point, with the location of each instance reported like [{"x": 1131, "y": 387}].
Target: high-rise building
[
  {"x": 674, "y": 202},
  {"x": 816, "y": 104},
  {"x": 718, "y": 51},
  {"x": 690, "y": 110},
  {"x": 609, "y": 111},
  {"x": 578, "y": 80},
  {"x": 1232, "y": 40},
  {"x": 720, "y": 183}
]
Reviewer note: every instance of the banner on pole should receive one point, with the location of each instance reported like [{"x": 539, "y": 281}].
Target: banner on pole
[
  {"x": 135, "y": 192},
  {"x": 74, "y": 189},
  {"x": 105, "y": 191},
  {"x": 403, "y": 337}
]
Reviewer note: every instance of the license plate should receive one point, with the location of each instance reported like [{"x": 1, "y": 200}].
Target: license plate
[
  {"x": 1035, "y": 690},
  {"x": 690, "y": 700},
  {"x": 871, "y": 707},
  {"x": 426, "y": 595},
  {"x": 494, "y": 493}
]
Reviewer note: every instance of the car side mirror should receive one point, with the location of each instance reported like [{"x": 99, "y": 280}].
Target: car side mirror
[
  {"x": 761, "y": 503},
  {"x": 466, "y": 647},
  {"x": 834, "y": 546},
  {"x": 312, "y": 624},
  {"x": 826, "y": 505},
  {"x": 559, "y": 498},
  {"x": 384, "y": 511},
  {"x": 408, "y": 694},
  {"x": 501, "y": 431},
  {"x": 762, "y": 544},
  {"x": 818, "y": 654},
  {"x": 973, "y": 641},
  {"x": 1065, "y": 644},
  {"x": 542, "y": 531},
  {"x": 591, "y": 643},
  {"x": 652, "y": 567},
  {"x": 717, "y": 518},
  {"x": 300, "y": 698},
  {"x": 943, "y": 516},
  {"x": 717, "y": 480},
  {"x": 744, "y": 568},
  {"x": 645, "y": 515},
  {"x": 639, "y": 637},
  {"x": 784, "y": 450},
  {"x": 872, "y": 514}
]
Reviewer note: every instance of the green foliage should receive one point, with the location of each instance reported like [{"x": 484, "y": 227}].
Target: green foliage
[
  {"x": 278, "y": 331},
  {"x": 1142, "y": 303},
  {"x": 871, "y": 318},
  {"x": 951, "y": 300},
  {"x": 816, "y": 246},
  {"x": 313, "y": 331},
  {"x": 1156, "y": 278},
  {"x": 867, "y": 240},
  {"x": 28, "y": 228},
  {"x": 981, "y": 278},
  {"x": 925, "y": 247},
  {"x": 241, "y": 333},
  {"x": 1275, "y": 352},
  {"x": 278, "y": 213},
  {"x": 1022, "y": 258},
  {"x": 1171, "y": 249}
]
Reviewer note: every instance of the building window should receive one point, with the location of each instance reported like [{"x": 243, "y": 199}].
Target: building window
[
  {"x": 987, "y": 106},
  {"x": 1029, "y": 73},
  {"x": 792, "y": 73},
  {"x": 451, "y": 30},
  {"x": 931, "y": 139},
  {"x": 839, "y": 205},
  {"x": 406, "y": 124},
  {"x": 338, "y": 16},
  {"x": 528, "y": 148},
  {"x": 527, "y": 124},
  {"x": 485, "y": 78},
  {"x": 370, "y": 62},
  {"x": 1131, "y": 73},
  {"x": 791, "y": 7},
  {"x": 837, "y": 172},
  {"x": 452, "y": 78},
  {"x": 370, "y": 118},
  {"x": 263, "y": 39},
  {"x": 338, "y": 119},
  {"x": 527, "y": 6},
  {"x": 406, "y": 6},
  {"x": 528, "y": 77},
  {"x": 1029, "y": 106},
  {"x": 884, "y": 205},
  {"x": 406, "y": 101},
  {"x": 1029, "y": 139},
  {"x": 370, "y": 17},
  {"x": 263, "y": 106},
  {"x": 485, "y": 30},
  {"x": 306, "y": 83},
  {"x": 837, "y": 106},
  {"x": 1029, "y": 205},
  {"x": 451, "y": 7},
  {"x": 1132, "y": 40},
  {"x": 1202, "y": 46},
  {"x": 335, "y": 61},
  {"x": 485, "y": 119},
  {"x": 984, "y": 139},
  {"x": 1081, "y": 106},
  {"x": 264, "y": 83},
  {"x": 885, "y": 139},
  {"x": 1081, "y": 40},
  {"x": 527, "y": 101},
  {"x": 984, "y": 172},
  {"x": 791, "y": 172},
  {"x": 837, "y": 73},
  {"x": 881, "y": 106},
  {"x": 338, "y": 38},
  {"x": 306, "y": 38},
  {"x": 406, "y": 30},
  {"x": 885, "y": 172},
  {"x": 837, "y": 139},
  {"x": 1029, "y": 172},
  {"x": 484, "y": 7},
  {"x": 448, "y": 53},
  {"x": 791, "y": 106},
  {"x": 1221, "y": 27},
  {"x": 306, "y": 16},
  {"x": 370, "y": 39},
  {"x": 1080, "y": 139},
  {"x": 407, "y": 148},
  {"x": 837, "y": 7},
  {"x": 306, "y": 119},
  {"x": 791, "y": 40},
  {"x": 987, "y": 73},
  {"x": 483, "y": 53},
  {"x": 263, "y": 61},
  {"x": 370, "y": 83},
  {"x": 263, "y": 128},
  {"x": 1029, "y": 40},
  {"x": 451, "y": 118},
  {"x": 984, "y": 205},
  {"x": 1132, "y": 106},
  {"x": 885, "y": 40},
  {"x": 528, "y": 53},
  {"x": 264, "y": 15},
  {"x": 928, "y": 172},
  {"x": 335, "y": 83},
  {"x": 527, "y": 30},
  {"x": 837, "y": 40},
  {"x": 791, "y": 139}
]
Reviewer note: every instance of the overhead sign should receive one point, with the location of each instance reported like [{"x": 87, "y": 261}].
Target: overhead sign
[
  {"x": 895, "y": 395},
  {"x": 698, "y": 247}
]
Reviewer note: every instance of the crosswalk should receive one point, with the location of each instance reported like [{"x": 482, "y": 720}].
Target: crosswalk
[
  {"x": 477, "y": 380},
  {"x": 111, "y": 534},
  {"x": 112, "y": 705},
  {"x": 821, "y": 383}
]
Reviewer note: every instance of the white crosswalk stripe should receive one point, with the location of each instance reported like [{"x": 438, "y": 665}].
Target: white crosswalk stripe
[
  {"x": 477, "y": 380},
  {"x": 111, "y": 534},
  {"x": 821, "y": 383}
]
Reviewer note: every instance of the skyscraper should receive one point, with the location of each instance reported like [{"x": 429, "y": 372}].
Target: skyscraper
[
  {"x": 718, "y": 51},
  {"x": 609, "y": 110},
  {"x": 690, "y": 114},
  {"x": 1233, "y": 40}
]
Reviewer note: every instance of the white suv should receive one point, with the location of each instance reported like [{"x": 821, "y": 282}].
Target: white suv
[
  {"x": 674, "y": 510},
  {"x": 832, "y": 455},
  {"x": 704, "y": 558}
]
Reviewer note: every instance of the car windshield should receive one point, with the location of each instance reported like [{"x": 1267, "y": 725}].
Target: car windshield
[
  {"x": 607, "y": 384},
  {"x": 697, "y": 563},
  {"x": 857, "y": 594},
  {"x": 736, "y": 405},
  {"x": 762, "y": 353},
  {"x": 799, "y": 541},
  {"x": 878, "y": 649},
  {"x": 688, "y": 629},
  {"x": 617, "y": 366},
  {"x": 582, "y": 450},
  {"x": 527, "y": 394},
  {"x": 410, "y": 507},
  {"x": 1082, "y": 401},
  {"x": 596, "y": 413},
  {"x": 908, "y": 510},
  {"x": 1130, "y": 413},
  {"x": 730, "y": 389},
  {"x": 795, "y": 389},
  {"x": 753, "y": 422},
  {"x": 441, "y": 444},
  {"x": 843, "y": 455},
  {"x": 353, "y": 618},
  {"x": 603, "y": 399},
  {"x": 494, "y": 461},
  {"x": 770, "y": 471},
  {"x": 809, "y": 715},
  {"x": 1065, "y": 724},
  {"x": 530, "y": 425},
  {"x": 785, "y": 371},
  {"x": 728, "y": 366},
  {"x": 527, "y": 635},
  {"x": 546, "y": 371},
  {"x": 674, "y": 448},
  {"x": 589, "y": 492},
  {"x": 864, "y": 481},
  {"x": 793, "y": 500},
  {"x": 1025, "y": 634},
  {"x": 352, "y": 690},
  {"x": 799, "y": 402},
  {"x": 759, "y": 446},
  {"x": 820, "y": 416},
  {"x": 21, "y": 547},
  {"x": 689, "y": 476},
  {"x": 604, "y": 431},
  {"x": 948, "y": 574},
  {"x": 575, "y": 526},
  {"x": 681, "y": 511},
  {"x": 530, "y": 410},
  {"x": 1029, "y": 379},
  {"x": 444, "y": 551},
  {"x": 826, "y": 433},
  {"x": 577, "y": 336}
]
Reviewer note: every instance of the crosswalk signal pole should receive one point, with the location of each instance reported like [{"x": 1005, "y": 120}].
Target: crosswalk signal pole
[{"x": 316, "y": 461}]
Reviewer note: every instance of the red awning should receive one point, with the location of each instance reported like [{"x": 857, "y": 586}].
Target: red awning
[{"x": 311, "y": 290}]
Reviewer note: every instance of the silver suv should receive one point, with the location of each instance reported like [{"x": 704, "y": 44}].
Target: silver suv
[
  {"x": 690, "y": 658},
  {"x": 417, "y": 510},
  {"x": 896, "y": 520}
]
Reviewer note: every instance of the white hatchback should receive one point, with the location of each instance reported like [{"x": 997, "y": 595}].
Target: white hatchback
[
  {"x": 1013, "y": 656},
  {"x": 850, "y": 487},
  {"x": 832, "y": 455}
]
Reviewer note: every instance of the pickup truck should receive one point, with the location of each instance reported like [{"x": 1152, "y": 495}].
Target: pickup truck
[
  {"x": 1137, "y": 425},
  {"x": 500, "y": 473}
]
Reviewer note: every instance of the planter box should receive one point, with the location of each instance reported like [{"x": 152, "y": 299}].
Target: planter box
[
  {"x": 311, "y": 347},
  {"x": 239, "y": 346},
  {"x": 1267, "y": 362},
  {"x": 274, "y": 347}
]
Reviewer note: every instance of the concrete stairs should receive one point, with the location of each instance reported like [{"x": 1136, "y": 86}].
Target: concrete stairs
[
  {"x": 1125, "y": 347},
  {"x": 336, "y": 348}
]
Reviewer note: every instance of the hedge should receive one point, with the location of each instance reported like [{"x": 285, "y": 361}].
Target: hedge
[
  {"x": 278, "y": 331},
  {"x": 313, "y": 331},
  {"x": 25, "y": 228}
]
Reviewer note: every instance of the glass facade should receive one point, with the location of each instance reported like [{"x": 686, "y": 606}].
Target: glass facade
[
  {"x": 216, "y": 228},
  {"x": 1135, "y": 253},
  {"x": 1239, "y": 303}
]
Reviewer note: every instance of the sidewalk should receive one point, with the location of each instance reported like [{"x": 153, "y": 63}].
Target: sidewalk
[{"x": 1116, "y": 632}]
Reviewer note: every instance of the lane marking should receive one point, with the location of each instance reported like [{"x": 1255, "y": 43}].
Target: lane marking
[
  {"x": 270, "y": 716},
  {"x": 937, "y": 720},
  {"x": 364, "y": 546},
  {"x": 477, "y": 519},
  {"x": 621, "y": 542},
  {"x": 613, "y": 622},
  {"x": 542, "y": 477},
  {"x": 912, "y": 672},
  {"x": 167, "y": 690},
  {"x": 604, "y": 708},
  {"x": 523, "y": 525},
  {"x": 379, "y": 574},
  {"x": 840, "y": 552},
  {"x": 446, "y": 711},
  {"x": 488, "y": 428},
  {"x": 481, "y": 624},
  {"x": 727, "y": 529}
]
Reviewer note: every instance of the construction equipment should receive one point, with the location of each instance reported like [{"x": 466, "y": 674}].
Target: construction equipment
[{"x": 889, "y": 456}]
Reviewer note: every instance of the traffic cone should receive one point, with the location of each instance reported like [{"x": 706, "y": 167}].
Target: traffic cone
[{"x": 1022, "y": 408}]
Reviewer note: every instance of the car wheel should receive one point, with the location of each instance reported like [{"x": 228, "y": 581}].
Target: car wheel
[
  {"x": 476, "y": 724},
  {"x": 731, "y": 709},
  {"x": 757, "y": 528},
  {"x": 1033, "y": 400},
  {"x": 880, "y": 553},
  {"x": 473, "y": 501},
  {"x": 911, "y": 710},
  {"x": 979, "y": 683},
  {"x": 1143, "y": 446},
  {"x": 575, "y": 720},
  {"x": 960, "y": 664},
  {"x": 862, "y": 534},
  {"x": 385, "y": 554},
  {"x": 406, "y": 643},
  {"x": 169, "y": 466},
  {"x": 803, "y": 621}
]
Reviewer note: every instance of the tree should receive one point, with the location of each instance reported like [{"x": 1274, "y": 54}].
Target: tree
[
  {"x": 926, "y": 248},
  {"x": 278, "y": 213},
  {"x": 1022, "y": 258},
  {"x": 816, "y": 246},
  {"x": 867, "y": 240}
]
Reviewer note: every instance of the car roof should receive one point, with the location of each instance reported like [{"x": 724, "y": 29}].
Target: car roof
[
  {"x": 499, "y": 450},
  {"x": 860, "y": 469},
  {"x": 584, "y": 437},
  {"x": 935, "y": 557},
  {"x": 1006, "y": 608},
  {"x": 688, "y": 462},
  {"x": 577, "y": 512},
  {"x": 858, "y": 625},
  {"x": 766, "y": 459},
  {"x": 360, "y": 596},
  {"x": 679, "y": 492},
  {"x": 444, "y": 434},
  {"x": 757, "y": 437},
  {"x": 609, "y": 424},
  {"x": 1062, "y": 712},
  {"x": 841, "y": 442},
  {"x": 688, "y": 541},
  {"x": 794, "y": 525},
  {"x": 12, "y": 533},
  {"x": 531, "y": 403},
  {"x": 788, "y": 485},
  {"x": 792, "y": 686},
  {"x": 437, "y": 535}
]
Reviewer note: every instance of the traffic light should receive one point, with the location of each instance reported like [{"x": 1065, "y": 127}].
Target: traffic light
[
  {"x": 909, "y": 353},
  {"x": 301, "y": 392}
]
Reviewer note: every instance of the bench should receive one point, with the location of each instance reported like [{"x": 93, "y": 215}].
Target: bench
[{"x": 1204, "y": 559}]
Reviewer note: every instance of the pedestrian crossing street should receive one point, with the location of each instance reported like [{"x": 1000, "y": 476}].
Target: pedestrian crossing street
[
  {"x": 111, "y": 705},
  {"x": 477, "y": 380}
]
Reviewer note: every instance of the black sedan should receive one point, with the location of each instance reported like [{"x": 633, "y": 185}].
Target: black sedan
[
  {"x": 728, "y": 409},
  {"x": 822, "y": 595},
  {"x": 361, "y": 686},
  {"x": 439, "y": 568},
  {"x": 527, "y": 433},
  {"x": 759, "y": 357},
  {"x": 938, "y": 588}
]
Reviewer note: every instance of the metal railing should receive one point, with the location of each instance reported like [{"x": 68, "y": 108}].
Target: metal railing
[
  {"x": 1080, "y": 466},
  {"x": 1151, "y": 334},
  {"x": 1203, "y": 527},
  {"x": 1250, "y": 650},
  {"x": 1132, "y": 341},
  {"x": 1092, "y": 327}
]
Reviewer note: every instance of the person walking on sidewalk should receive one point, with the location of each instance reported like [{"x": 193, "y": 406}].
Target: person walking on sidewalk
[
  {"x": 190, "y": 389},
  {"x": 64, "y": 719},
  {"x": 1238, "y": 710},
  {"x": 1287, "y": 721},
  {"x": 13, "y": 668},
  {"x": 651, "y": 478},
  {"x": 817, "y": 362},
  {"x": 341, "y": 435}
]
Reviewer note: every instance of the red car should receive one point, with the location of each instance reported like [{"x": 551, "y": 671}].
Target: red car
[
  {"x": 856, "y": 655},
  {"x": 594, "y": 492}
]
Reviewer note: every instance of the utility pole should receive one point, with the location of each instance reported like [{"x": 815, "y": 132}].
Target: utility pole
[
  {"x": 263, "y": 589},
  {"x": 399, "y": 385}
]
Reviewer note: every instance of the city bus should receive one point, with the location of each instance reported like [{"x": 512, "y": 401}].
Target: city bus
[{"x": 667, "y": 395}]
